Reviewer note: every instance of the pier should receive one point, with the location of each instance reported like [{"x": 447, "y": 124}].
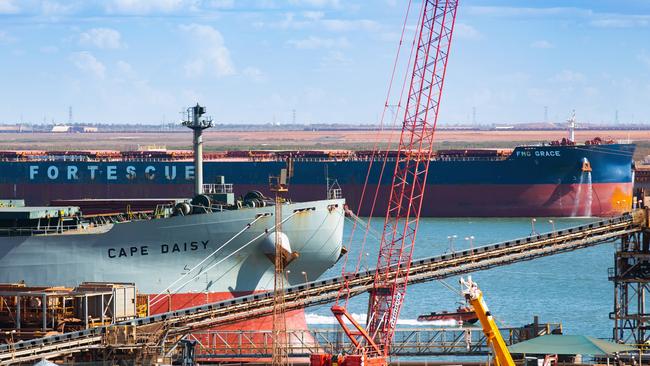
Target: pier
[
  {"x": 158, "y": 335},
  {"x": 424, "y": 341}
]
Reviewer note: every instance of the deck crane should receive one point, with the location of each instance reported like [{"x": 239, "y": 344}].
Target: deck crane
[
  {"x": 475, "y": 297},
  {"x": 432, "y": 44}
]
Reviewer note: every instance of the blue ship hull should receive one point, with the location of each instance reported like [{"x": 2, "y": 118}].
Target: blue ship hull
[{"x": 531, "y": 181}]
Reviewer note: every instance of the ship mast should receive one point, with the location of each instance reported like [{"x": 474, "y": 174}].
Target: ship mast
[
  {"x": 195, "y": 120},
  {"x": 572, "y": 126}
]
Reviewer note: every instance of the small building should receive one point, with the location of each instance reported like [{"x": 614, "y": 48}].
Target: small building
[{"x": 60, "y": 128}]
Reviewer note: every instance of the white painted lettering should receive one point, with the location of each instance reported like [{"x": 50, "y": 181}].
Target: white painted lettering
[
  {"x": 52, "y": 172},
  {"x": 130, "y": 172},
  {"x": 72, "y": 172},
  {"x": 93, "y": 169},
  {"x": 33, "y": 170},
  {"x": 171, "y": 176},
  {"x": 149, "y": 172},
  {"x": 189, "y": 172},
  {"x": 111, "y": 172}
]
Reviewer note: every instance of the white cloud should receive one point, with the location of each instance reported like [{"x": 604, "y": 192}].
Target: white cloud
[
  {"x": 466, "y": 31},
  {"x": 53, "y": 8},
  {"x": 87, "y": 63},
  {"x": 104, "y": 38},
  {"x": 543, "y": 44},
  {"x": 254, "y": 74},
  {"x": 6, "y": 38},
  {"x": 313, "y": 15},
  {"x": 8, "y": 7},
  {"x": 317, "y": 3},
  {"x": 340, "y": 25},
  {"x": 335, "y": 58},
  {"x": 124, "y": 68},
  {"x": 49, "y": 49},
  {"x": 588, "y": 16},
  {"x": 214, "y": 57},
  {"x": 622, "y": 21},
  {"x": 222, "y": 4},
  {"x": 312, "y": 43},
  {"x": 146, "y": 6},
  {"x": 513, "y": 11},
  {"x": 317, "y": 20},
  {"x": 644, "y": 58},
  {"x": 568, "y": 76}
]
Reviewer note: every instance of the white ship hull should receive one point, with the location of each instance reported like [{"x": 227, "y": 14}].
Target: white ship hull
[{"x": 155, "y": 253}]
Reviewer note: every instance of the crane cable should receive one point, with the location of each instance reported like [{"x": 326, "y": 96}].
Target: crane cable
[
  {"x": 372, "y": 159},
  {"x": 229, "y": 255},
  {"x": 248, "y": 226}
]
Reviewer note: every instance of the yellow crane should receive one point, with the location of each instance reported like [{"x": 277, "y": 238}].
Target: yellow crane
[{"x": 475, "y": 297}]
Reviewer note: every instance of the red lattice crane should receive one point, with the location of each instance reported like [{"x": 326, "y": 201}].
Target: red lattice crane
[{"x": 433, "y": 42}]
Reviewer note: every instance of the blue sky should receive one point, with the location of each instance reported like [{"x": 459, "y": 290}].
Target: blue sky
[{"x": 255, "y": 61}]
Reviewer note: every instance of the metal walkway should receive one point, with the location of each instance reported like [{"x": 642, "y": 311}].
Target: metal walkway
[
  {"x": 157, "y": 334},
  {"x": 458, "y": 341}
]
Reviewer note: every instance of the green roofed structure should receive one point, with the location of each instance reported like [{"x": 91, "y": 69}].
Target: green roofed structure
[{"x": 554, "y": 344}]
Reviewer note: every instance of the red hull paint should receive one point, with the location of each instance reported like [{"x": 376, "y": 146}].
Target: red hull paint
[
  {"x": 551, "y": 200},
  {"x": 608, "y": 199},
  {"x": 295, "y": 320}
]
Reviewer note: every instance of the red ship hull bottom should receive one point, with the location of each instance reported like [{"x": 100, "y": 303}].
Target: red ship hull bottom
[
  {"x": 543, "y": 200},
  {"x": 215, "y": 341},
  {"x": 454, "y": 200}
]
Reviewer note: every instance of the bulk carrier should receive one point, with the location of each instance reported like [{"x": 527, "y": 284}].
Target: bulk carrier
[
  {"x": 180, "y": 252},
  {"x": 558, "y": 179}
]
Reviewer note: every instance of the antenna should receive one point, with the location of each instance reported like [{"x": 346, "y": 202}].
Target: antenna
[
  {"x": 194, "y": 120},
  {"x": 293, "y": 119},
  {"x": 70, "y": 115}
]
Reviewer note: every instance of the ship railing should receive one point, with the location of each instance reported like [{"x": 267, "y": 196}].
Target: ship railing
[
  {"x": 334, "y": 194},
  {"x": 213, "y": 188},
  {"x": 378, "y": 157},
  {"x": 29, "y": 231}
]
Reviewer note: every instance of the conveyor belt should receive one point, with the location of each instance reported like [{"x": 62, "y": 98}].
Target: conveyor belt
[{"x": 176, "y": 324}]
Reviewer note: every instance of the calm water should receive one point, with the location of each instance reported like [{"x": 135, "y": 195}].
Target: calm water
[{"x": 570, "y": 288}]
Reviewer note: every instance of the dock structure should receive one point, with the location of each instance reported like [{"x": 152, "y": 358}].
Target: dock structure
[
  {"x": 222, "y": 346},
  {"x": 157, "y": 336},
  {"x": 631, "y": 277}
]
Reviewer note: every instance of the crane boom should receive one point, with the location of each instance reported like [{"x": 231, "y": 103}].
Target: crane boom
[
  {"x": 435, "y": 31},
  {"x": 432, "y": 45},
  {"x": 475, "y": 297}
]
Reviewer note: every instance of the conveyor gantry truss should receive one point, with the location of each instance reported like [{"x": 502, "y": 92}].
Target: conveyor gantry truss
[{"x": 156, "y": 335}]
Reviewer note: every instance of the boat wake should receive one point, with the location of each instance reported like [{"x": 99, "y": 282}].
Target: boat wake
[
  {"x": 585, "y": 181},
  {"x": 317, "y": 319}
]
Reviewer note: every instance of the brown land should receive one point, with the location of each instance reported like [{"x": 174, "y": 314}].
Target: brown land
[{"x": 317, "y": 140}]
